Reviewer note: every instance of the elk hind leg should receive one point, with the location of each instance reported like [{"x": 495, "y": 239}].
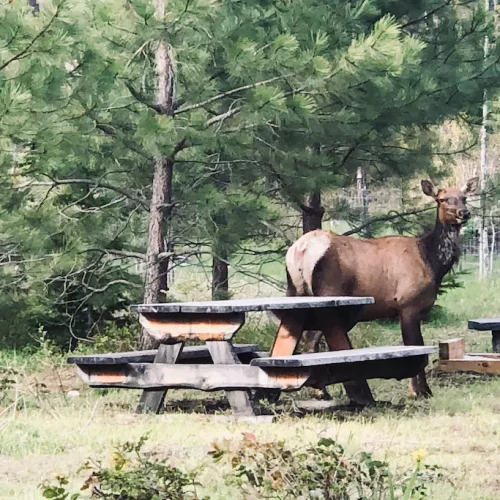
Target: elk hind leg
[{"x": 358, "y": 392}]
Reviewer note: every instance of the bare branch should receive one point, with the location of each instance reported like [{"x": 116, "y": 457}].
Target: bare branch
[
  {"x": 89, "y": 182},
  {"x": 387, "y": 218},
  {"x": 23, "y": 52},
  {"x": 223, "y": 116},
  {"x": 228, "y": 93},
  {"x": 121, "y": 253}
]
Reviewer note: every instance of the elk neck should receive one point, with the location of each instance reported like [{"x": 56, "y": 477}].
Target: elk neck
[{"x": 440, "y": 248}]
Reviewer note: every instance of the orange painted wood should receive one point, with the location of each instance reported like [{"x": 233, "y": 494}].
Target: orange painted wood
[{"x": 185, "y": 326}]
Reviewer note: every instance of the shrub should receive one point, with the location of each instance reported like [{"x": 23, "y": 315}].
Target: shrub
[
  {"x": 259, "y": 470},
  {"x": 323, "y": 471},
  {"x": 133, "y": 475}
]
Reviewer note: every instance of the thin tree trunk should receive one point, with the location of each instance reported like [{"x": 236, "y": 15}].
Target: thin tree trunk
[
  {"x": 161, "y": 198},
  {"x": 220, "y": 276},
  {"x": 312, "y": 213},
  {"x": 483, "y": 230},
  {"x": 363, "y": 199}
]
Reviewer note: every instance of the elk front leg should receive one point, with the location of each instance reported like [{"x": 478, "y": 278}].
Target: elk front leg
[{"x": 412, "y": 335}]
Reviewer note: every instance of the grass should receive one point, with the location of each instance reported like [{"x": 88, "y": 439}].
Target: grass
[{"x": 47, "y": 431}]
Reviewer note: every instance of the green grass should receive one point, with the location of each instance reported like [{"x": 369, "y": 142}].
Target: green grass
[{"x": 48, "y": 432}]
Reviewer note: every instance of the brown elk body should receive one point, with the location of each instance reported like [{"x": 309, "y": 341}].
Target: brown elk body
[{"x": 402, "y": 273}]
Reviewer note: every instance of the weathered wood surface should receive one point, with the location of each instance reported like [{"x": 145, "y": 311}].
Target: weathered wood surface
[
  {"x": 394, "y": 368},
  {"x": 188, "y": 354},
  {"x": 186, "y": 326},
  {"x": 345, "y": 356},
  {"x": 484, "y": 324},
  {"x": 247, "y": 305},
  {"x": 240, "y": 401},
  {"x": 452, "y": 349},
  {"x": 474, "y": 364},
  {"x": 235, "y": 377},
  {"x": 202, "y": 377},
  {"x": 152, "y": 400}
]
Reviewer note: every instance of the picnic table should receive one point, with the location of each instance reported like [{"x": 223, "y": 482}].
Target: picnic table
[{"x": 240, "y": 368}]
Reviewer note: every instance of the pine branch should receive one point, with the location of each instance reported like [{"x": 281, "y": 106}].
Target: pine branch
[
  {"x": 120, "y": 253},
  {"x": 139, "y": 97},
  {"x": 89, "y": 182},
  {"x": 386, "y": 218},
  {"x": 426, "y": 15},
  {"x": 228, "y": 93},
  {"x": 23, "y": 53},
  {"x": 223, "y": 116}
]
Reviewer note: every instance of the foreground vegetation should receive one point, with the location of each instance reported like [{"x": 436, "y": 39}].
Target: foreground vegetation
[{"x": 51, "y": 424}]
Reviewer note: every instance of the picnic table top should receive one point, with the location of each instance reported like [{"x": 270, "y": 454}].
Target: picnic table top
[
  {"x": 483, "y": 324},
  {"x": 246, "y": 305}
]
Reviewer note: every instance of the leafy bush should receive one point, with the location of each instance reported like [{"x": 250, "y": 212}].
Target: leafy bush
[
  {"x": 323, "y": 471},
  {"x": 116, "y": 338},
  {"x": 259, "y": 470},
  {"x": 133, "y": 475}
]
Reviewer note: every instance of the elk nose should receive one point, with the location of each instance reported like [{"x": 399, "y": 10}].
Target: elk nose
[{"x": 464, "y": 214}]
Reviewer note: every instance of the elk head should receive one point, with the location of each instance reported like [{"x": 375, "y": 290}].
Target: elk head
[{"x": 452, "y": 202}]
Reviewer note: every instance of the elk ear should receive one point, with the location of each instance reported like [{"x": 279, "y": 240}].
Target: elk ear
[
  {"x": 470, "y": 186},
  {"x": 428, "y": 188}
]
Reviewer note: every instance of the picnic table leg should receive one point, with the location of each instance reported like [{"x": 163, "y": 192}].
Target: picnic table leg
[
  {"x": 495, "y": 339},
  {"x": 152, "y": 399},
  {"x": 222, "y": 352}
]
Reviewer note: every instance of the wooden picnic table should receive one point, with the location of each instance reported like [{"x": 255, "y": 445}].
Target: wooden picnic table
[{"x": 215, "y": 323}]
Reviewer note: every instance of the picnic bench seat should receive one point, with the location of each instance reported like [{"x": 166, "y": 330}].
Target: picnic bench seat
[
  {"x": 488, "y": 324},
  {"x": 199, "y": 354},
  {"x": 239, "y": 369}
]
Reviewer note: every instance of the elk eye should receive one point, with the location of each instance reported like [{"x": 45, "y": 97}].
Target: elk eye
[{"x": 442, "y": 200}]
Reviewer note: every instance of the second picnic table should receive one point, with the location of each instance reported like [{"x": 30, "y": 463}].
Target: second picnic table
[{"x": 215, "y": 323}]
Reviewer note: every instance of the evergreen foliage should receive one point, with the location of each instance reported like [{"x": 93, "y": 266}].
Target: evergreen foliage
[{"x": 272, "y": 100}]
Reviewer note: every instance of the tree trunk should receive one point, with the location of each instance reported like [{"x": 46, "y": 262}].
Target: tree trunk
[
  {"x": 220, "y": 276},
  {"x": 155, "y": 280},
  {"x": 312, "y": 213},
  {"x": 363, "y": 200},
  {"x": 483, "y": 230}
]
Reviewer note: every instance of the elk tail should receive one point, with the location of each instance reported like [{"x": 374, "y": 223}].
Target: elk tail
[{"x": 301, "y": 259}]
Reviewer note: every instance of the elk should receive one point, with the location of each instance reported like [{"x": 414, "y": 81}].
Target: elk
[{"x": 402, "y": 273}]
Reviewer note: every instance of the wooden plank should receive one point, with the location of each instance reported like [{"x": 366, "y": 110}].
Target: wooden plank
[
  {"x": 152, "y": 400},
  {"x": 392, "y": 368},
  {"x": 188, "y": 353},
  {"x": 344, "y": 356},
  {"x": 471, "y": 364},
  {"x": 484, "y": 324},
  {"x": 202, "y": 377},
  {"x": 490, "y": 355},
  {"x": 452, "y": 349},
  {"x": 240, "y": 401},
  {"x": 179, "y": 326},
  {"x": 246, "y": 305}
]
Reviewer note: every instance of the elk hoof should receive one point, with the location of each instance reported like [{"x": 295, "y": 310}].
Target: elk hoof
[
  {"x": 321, "y": 394},
  {"x": 272, "y": 395},
  {"x": 419, "y": 391}
]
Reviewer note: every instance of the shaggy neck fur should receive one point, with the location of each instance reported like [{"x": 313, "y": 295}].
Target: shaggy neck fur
[{"x": 440, "y": 248}]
